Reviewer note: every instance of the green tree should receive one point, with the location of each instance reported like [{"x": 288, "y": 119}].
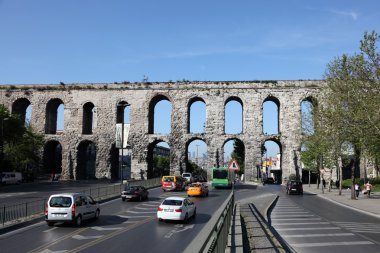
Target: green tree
[
  {"x": 161, "y": 165},
  {"x": 239, "y": 155},
  {"x": 21, "y": 144},
  {"x": 349, "y": 109}
]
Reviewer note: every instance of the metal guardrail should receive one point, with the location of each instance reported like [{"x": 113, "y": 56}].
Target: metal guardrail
[
  {"x": 213, "y": 237},
  {"x": 16, "y": 213}
]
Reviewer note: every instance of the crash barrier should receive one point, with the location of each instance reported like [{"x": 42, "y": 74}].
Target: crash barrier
[
  {"x": 16, "y": 213},
  {"x": 213, "y": 237}
]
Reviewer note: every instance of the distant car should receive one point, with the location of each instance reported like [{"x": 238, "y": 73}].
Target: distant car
[
  {"x": 70, "y": 207},
  {"x": 134, "y": 192},
  {"x": 201, "y": 179},
  {"x": 197, "y": 189},
  {"x": 294, "y": 186},
  {"x": 188, "y": 176},
  {"x": 173, "y": 183},
  {"x": 176, "y": 208}
]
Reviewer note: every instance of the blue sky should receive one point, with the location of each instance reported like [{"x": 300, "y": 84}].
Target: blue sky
[{"x": 93, "y": 41}]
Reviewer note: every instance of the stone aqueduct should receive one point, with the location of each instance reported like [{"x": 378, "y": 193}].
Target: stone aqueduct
[{"x": 82, "y": 100}]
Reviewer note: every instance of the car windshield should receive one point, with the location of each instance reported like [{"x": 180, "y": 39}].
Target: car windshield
[
  {"x": 60, "y": 201},
  {"x": 195, "y": 185},
  {"x": 172, "y": 202},
  {"x": 168, "y": 179},
  {"x": 220, "y": 174},
  {"x": 131, "y": 188},
  {"x": 186, "y": 175}
]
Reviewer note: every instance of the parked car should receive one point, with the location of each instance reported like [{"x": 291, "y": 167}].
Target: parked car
[
  {"x": 173, "y": 183},
  {"x": 10, "y": 178},
  {"x": 176, "y": 208},
  {"x": 294, "y": 186},
  {"x": 70, "y": 207},
  {"x": 135, "y": 192},
  {"x": 197, "y": 189},
  {"x": 269, "y": 180}
]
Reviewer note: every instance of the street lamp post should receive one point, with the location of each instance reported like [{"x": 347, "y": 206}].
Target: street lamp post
[{"x": 122, "y": 105}]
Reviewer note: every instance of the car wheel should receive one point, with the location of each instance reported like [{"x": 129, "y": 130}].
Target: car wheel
[
  {"x": 97, "y": 214},
  {"x": 186, "y": 218},
  {"x": 78, "y": 221},
  {"x": 123, "y": 199},
  {"x": 50, "y": 224}
]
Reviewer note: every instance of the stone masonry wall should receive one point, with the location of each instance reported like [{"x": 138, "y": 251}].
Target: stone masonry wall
[{"x": 105, "y": 97}]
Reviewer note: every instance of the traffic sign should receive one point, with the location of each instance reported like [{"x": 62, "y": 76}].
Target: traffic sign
[{"x": 233, "y": 165}]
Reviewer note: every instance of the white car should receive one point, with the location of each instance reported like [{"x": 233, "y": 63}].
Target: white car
[
  {"x": 176, "y": 208},
  {"x": 70, "y": 207}
]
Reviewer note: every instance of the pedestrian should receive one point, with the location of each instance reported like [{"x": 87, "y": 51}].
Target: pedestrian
[
  {"x": 368, "y": 188},
  {"x": 357, "y": 190}
]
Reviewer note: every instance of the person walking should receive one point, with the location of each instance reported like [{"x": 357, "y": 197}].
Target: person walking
[
  {"x": 368, "y": 188},
  {"x": 357, "y": 190}
]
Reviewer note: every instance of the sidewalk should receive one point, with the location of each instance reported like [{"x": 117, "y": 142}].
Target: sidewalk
[{"x": 363, "y": 204}]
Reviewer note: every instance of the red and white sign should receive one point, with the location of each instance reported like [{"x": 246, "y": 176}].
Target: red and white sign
[{"x": 233, "y": 165}]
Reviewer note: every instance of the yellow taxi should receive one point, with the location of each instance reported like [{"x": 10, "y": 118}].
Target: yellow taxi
[{"x": 197, "y": 189}]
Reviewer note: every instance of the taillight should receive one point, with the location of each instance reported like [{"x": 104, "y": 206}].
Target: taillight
[
  {"x": 73, "y": 210},
  {"x": 160, "y": 209},
  {"x": 46, "y": 208},
  {"x": 178, "y": 210}
]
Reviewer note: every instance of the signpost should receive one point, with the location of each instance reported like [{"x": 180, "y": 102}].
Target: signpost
[{"x": 234, "y": 165}]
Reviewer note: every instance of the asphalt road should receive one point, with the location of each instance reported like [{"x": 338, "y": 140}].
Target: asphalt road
[
  {"x": 309, "y": 223},
  {"x": 122, "y": 227}
]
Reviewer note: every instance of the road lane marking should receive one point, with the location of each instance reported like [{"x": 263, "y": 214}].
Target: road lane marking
[
  {"x": 108, "y": 236},
  {"x": 300, "y": 223},
  {"x": 139, "y": 212},
  {"x": 106, "y": 229},
  {"x": 319, "y": 228},
  {"x": 294, "y": 215},
  {"x": 131, "y": 217},
  {"x": 295, "y": 219},
  {"x": 48, "y": 230},
  {"x": 86, "y": 237},
  {"x": 324, "y": 244},
  {"x": 60, "y": 239},
  {"x": 318, "y": 235}
]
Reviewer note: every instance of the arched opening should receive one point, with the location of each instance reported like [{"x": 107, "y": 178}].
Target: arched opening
[
  {"x": 159, "y": 153},
  {"x": 197, "y": 158},
  {"x": 307, "y": 115},
  {"x": 22, "y": 107},
  {"x": 234, "y": 149},
  {"x": 196, "y": 116},
  {"x": 271, "y": 112},
  {"x": 122, "y": 144},
  {"x": 160, "y": 107},
  {"x": 233, "y": 116},
  {"x": 88, "y": 118},
  {"x": 52, "y": 158},
  {"x": 54, "y": 116},
  {"x": 271, "y": 155},
  {"x": 86, "y": 160}
]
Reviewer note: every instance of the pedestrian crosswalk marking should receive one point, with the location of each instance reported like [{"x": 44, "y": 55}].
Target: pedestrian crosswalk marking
[
  {"x": 324, "y": 244},
  {"x": 318, "y": 235}
]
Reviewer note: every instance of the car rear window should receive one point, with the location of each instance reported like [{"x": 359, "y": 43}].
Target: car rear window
[
  {"x": 195, "y": 185},
  {"x": 60, "y": 201},
  {"x": 168, "y": 179},
  {"x": 172, "y": 202}
]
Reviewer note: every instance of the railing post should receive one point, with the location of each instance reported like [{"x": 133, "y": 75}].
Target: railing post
[
  {"x": 26, "y": 209},
  {"x": 3, "y": 215}
]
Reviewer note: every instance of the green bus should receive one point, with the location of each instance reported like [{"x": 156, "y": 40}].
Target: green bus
[{"x": 222, "y": 177}]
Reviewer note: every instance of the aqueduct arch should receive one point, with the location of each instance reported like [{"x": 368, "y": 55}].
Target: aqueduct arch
[{"x": 80, "y": 140}]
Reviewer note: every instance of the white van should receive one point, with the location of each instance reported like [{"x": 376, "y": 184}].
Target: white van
[
  {"x": 188, "y": 176},
  {"x": 70, "y": 207},
  {"x": 11, "y": 177}
]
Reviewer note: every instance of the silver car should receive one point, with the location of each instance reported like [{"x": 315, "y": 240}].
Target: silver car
[{"x": 70, "y": 207}]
